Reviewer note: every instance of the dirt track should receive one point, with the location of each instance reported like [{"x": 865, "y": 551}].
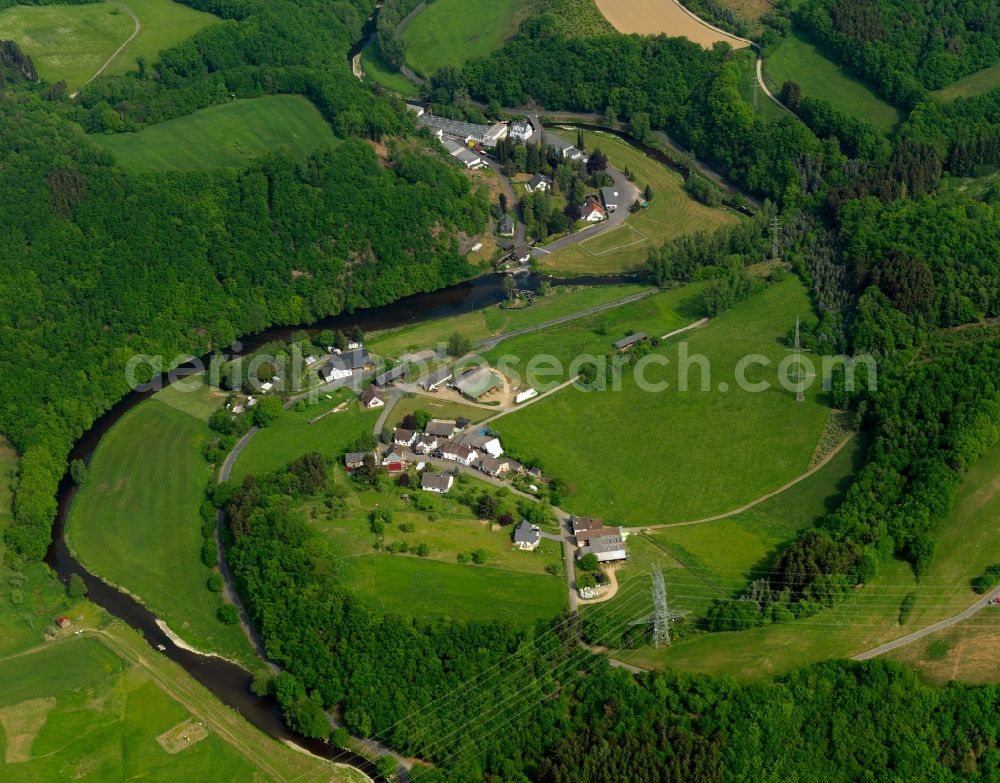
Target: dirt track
[{"x": 651, "y": 17}]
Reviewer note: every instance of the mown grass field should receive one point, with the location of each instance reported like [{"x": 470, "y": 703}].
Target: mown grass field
[
  {"x": 491, "y": 321},
  {"x": 450, "y": 32},
  {"x": 230, "y": 135},
  {"x": 82, "y": 708},
  {"x": 671, "y": 213},
  {"x": 642, "y": 457},
  {"x": 974, "y": 84},
  {"x": 72, "y": 42},
  {"x": 136, "y": 521},
  {"x": 438, "y": 408},
  {"x": 966, "y": 546},
  {"x": 798, "y": 60},
  {"x": 381, "y": 72},
  {"x": 292, "y": 435}
]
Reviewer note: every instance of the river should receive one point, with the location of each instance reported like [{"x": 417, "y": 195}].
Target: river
[{"x": 228, "y": 681}]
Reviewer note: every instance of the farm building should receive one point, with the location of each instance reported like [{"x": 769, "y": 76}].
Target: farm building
[
  {"x": 436, "y": 482},
  {"x": 397, "y": 373},
  {"x": 581, "y": 524},
  {"x": 476, "y": 383},
  {"x": 607, "y": 548},
  {"x": 370, "y": 399},
  {"x": 609, "y": 196},
  {"x": 526, "y": 535},
  {"x": 505, "y": 227},
  {"x": 629, "y": 342},
  {"x": 539, "y": 182},
  {"x": 63, "y": 621},
  {"x": 466, "y": 131},
  {"x": 440, "y": 428},
  {"x": 436, "y": 380}
]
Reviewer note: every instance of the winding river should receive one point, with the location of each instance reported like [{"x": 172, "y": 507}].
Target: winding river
[{"x": 229, "y": 682}]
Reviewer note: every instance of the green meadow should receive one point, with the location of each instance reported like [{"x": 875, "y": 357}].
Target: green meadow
[
  {"x": 449, "y": 32},
  {"x": 974, "y": 84},
  {"x": 230, "y": 135},
  {"x": 136, "y": 521},
  {"x": 72, "y": 42},
  {"x": 641, "y": 458},
  {"x": 796, "y": 59},
  {"x": 381, "y": 72}
]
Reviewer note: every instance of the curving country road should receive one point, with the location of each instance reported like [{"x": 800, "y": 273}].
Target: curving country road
[{"x": 979, "y": 605}]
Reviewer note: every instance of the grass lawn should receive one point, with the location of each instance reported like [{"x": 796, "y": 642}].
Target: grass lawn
[
  {"x": 193, "y": 397},
  {"x": 767, "y": 108},
  {"x": 381, "y": 72},
  {"x": 966, "y": 545},
  {"x": 495, "y": 320},
  {"x": 450, "y": 32},
  {"x": 971, "y": 187},
  {"x": 72, "y": 42},
  {"x": 974, "y": 84},
  {"x": 82, "y": 707},
  {"x": 228, "y": 135},
  {"x": 642, "y": 457},
  {"x": 292, "y": 435},
  {"x": 136, "y": 522},
  {"x": 438, "y": 408},
  {"x": 671, "y": 213},
  {"x": 800, "y": 61}
]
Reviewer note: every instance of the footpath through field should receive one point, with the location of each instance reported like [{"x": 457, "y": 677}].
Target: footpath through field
[{"x": 135, "y": 32}]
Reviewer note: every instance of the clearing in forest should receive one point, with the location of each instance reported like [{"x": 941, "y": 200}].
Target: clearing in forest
[{"x": 652, "y": 17}]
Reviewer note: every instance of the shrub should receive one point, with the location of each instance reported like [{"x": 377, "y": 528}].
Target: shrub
[
  {"x": 228, "y": 614},
  {"x": 209, "y": 553},
  {"x": 982, "y": 583},
  {"x": 216, "y": 583},
  {"x": 589, "y": 562},
  {"x": 906, "y": 608},
  {"x": 479, "y": 556},
  {"x": 76, "y": 587}
]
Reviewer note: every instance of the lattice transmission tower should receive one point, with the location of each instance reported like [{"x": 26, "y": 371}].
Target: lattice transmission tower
[{"x": 661, "y": 611}]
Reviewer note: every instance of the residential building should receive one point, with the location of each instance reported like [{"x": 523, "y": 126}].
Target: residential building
[
  {"x": 505, "y": 227},
  {"x": 520, "y": 131},
  {"x": 526, "y": 535},
  {"x": 486, "y": 443},
  {"x": 476, "y": 383},
  {"x": 404, "y": 437},
  {"x": 581, "y": 524},
  {"x": 440, "y": 427},
  {"x": 354, "y": 459},
  {"x": 539, "y": 182},
  {"x": 609, "y": 197},
  {"x": 465, "y": 131},
  {"x": 335, "y": 371},
  {"x": 370, "y": 399},
  {"x": 436, "y": 482},
  {"x": 456, "y": 452},
  {"x": 522, "y": 255},
  {"x": 492, "y": 467},
  {"x": 607, "y": 549},
  {"x": 535, "y": 472},
  {"x": 393, "y": 460},
  {"x": 426, "y": 444},
  {"x": 629, "y": 342},
  {"x": 512, "y": 465},
  {"x": 496, "y": 132},
  {"x": 592, "y": 211},
  {"x": 461, "y": 423},
  {"x": 397, "y": 373},
  {"x": 436, "y": 379}
]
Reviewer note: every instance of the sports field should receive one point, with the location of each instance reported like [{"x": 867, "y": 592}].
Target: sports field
[
  {"x": 974, "y": 84},
  {"x": 670, "y": 214},
  {"x": 652, "y": 17},
  {"x": 449, "y": 32},
  {"x": 229, "y": 135},
  {"x": 103, "y": 706},
  {"x": 796, "y": 59},
  {"x": 136, "y": 521},
  {"x": 647, "y": 457},
  {"x": 292, "y": 435},
  {"x": 73, "y": 42}
]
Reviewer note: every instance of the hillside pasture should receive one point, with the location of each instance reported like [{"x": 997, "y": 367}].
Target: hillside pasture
[
  {"x": 797, "y": 59},
  {"x": 381, "y": 72},
  {"x": 136, "y": 522},
  {"x": 671, "y": 213},
  {"x": 642, "y": 457},
  {"x": 450, "y": 32},
  {"x": 652, "y": 17},
  {"x": 974, "y": 84},
  {"x": 230, "y": 135}
]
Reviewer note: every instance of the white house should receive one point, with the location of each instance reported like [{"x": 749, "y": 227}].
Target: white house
[
  {"x": 426, "y": 444},
  {"x": 540, "y": 183},
  {"x": 371, "y": 399},
  {"x": 456, "y": 452},
  {"x": 403, "y": 437},
  {"x": 520, "y": 131},
  {"x": 526, "y": 535},
  {"x": 592, "y": 211},
  {"x": 334, "y": 372},
  {"x": 436, "y": 482}
]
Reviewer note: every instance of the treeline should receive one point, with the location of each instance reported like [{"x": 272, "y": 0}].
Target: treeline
[
  {"x": 964, "y": 132},
  {"x": 483, "y": 701},
  {"x": 106, "y": 265},
  {"x": 391, "y": 46},
  {"x": 905, "y": 47}
]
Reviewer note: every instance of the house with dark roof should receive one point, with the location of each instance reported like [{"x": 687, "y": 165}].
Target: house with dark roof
[
  {"x": 505, "y": 227},
  {"x": 512, "y": 465},
  {"x": 397, "y": 373},
  {"x": 404, "y": 437},
  {"x": 393, "y": 460},
  {"x": 426, "y": 444},
  {"x": 607, "y": 549},
  {"x": 631, "y": 341},
  {"x": 456, "y": 452},
  {"x": 370, "y": 398},
  {"x": 526, "y": 535},
  {"x": 492, "y": 467},
  {"x": 520, "y": 131},
  {"x": 355, "y": 459},
  {"x": 436, "y": 482},
  {"x": 610, "y": 197},
  {"x": 439, "y": 427},
  {"x": 540, "y": 183}
]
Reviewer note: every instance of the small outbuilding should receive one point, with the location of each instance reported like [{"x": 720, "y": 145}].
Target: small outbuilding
[{"x": 631, "y": 341}]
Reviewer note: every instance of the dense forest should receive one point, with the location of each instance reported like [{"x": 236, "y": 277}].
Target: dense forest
[
  {"x": 903, "y": 47},
  {"x": 485, "y": 702},
  {"x": 100, "y": 264}
]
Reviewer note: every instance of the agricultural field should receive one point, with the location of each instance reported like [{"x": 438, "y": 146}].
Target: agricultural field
[
  {"x": 293, "y": 435},
  {"x": 974, "y": 84},
  {"x": 491, "y": 321},
  {"x": 381, "y": 72},
  {"x": 230, "y": 135},
  {"x": 796, "y": 59},
  {"x": 73, "y": 42},
  {"x": 512, "y": 585},
  {"x": 673, "y": 456},
  {"x": 101, "y": 706},
  {"x": 671, "y": 213},
  {"x": 652, "y": 17},
  {"x": 872, "y": 615},
  {"x": 450, "y": 32},
  {"x": 136, "y": 521}
]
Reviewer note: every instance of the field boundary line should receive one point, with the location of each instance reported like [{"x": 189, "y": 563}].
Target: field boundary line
[
  {"x": 818, "y": 466},
  {"x": 583, "y": 243},
  {"x": 118, "y": 51}
]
